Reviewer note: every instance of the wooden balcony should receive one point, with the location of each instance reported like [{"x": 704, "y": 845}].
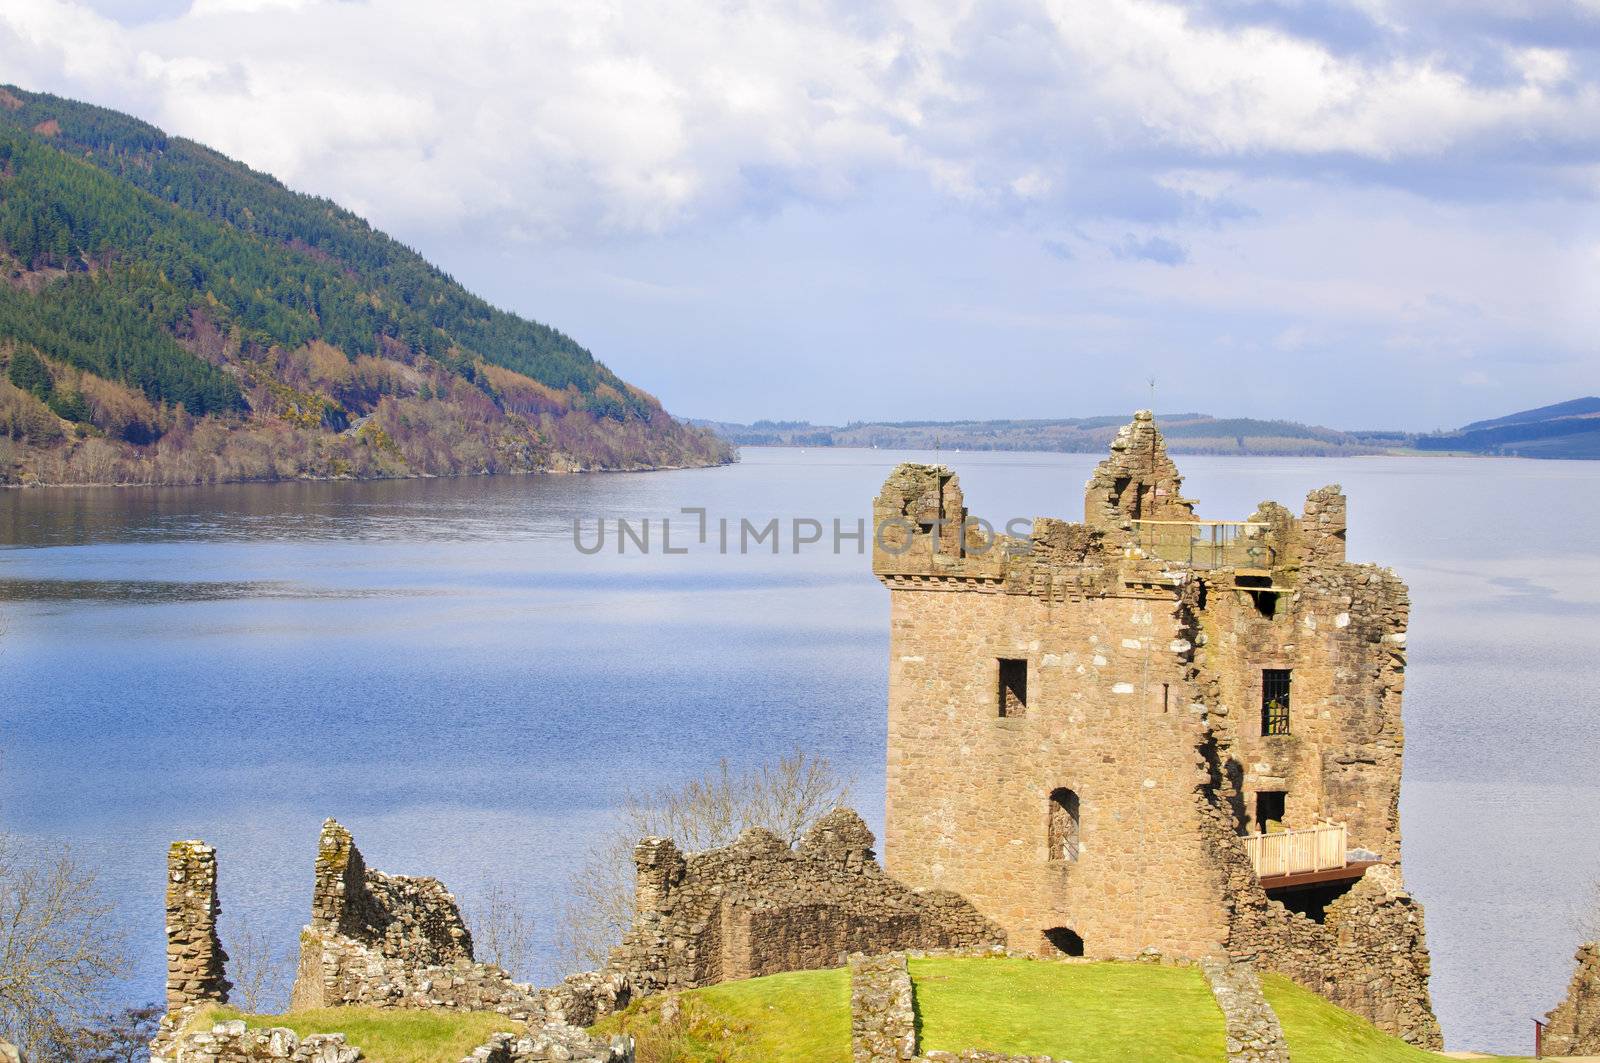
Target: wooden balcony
[{"x": 1303, "y": 857}]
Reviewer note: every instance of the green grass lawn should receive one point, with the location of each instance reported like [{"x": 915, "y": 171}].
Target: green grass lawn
[
  {"x": 1085, "y": 1012},
  {"x": 1318, "y": 1032},
  {"x": 385, "y": 1035},
  {"x": 801, "y": 1017}
]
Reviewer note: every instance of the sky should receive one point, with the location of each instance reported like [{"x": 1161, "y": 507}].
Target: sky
[{"x": 1373, "y": 214}]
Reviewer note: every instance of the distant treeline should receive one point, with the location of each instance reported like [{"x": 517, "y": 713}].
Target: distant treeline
[{"x": 1565, "y": 430}]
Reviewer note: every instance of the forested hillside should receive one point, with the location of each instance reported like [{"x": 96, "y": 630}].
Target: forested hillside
[
  {"x": 168, "y": 315},
  {"x": 1564, "y": 430}
]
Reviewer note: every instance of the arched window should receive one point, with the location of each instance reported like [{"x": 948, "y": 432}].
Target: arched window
[
  {"x": 1063, "y": 837},
  {"x": 1065, "y": 941}
]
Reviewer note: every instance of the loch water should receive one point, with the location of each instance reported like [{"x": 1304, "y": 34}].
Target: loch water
[{"x": 436, "y": 664}]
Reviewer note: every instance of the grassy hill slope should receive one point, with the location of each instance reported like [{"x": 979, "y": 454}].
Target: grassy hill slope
[
  {"x": 168, "y": 315},
  {"x": 1084, "y": 1012}
]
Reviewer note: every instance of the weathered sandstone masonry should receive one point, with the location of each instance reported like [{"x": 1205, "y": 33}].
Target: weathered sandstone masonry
[
  {"x": 751, "y": 908},
  {"x": 232, "y": 1042},
  {"x": 195, "y": 960},
  {"x": 1254, "y": 1035},
  {"x": 376, "y": 940},
  {"x": 196, "y": 963},
  {"x": 392, "y": 941},
  {"x": 883, "y": 1017},
  {"x": 1084, "y": 722},
  {"x": 758, "y": 907},
  {"x": 1574, "y": 1026}
]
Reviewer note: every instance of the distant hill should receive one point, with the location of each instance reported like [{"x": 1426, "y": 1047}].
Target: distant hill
[
  {"x": 1564, "y": 430},
  {"x": 170, "y": 315},
  {"x": 1186, "y": 433}
]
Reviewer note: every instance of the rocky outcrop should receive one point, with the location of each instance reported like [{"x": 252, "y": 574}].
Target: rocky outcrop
[
  {"x": 1573, "y": 1028},
  {"x": 1254, "y": 1035}
]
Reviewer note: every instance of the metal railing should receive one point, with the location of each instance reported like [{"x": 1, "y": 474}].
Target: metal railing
[
  {"x": 1206, "y": 543},
  {"x": 1296, "y": 852}
]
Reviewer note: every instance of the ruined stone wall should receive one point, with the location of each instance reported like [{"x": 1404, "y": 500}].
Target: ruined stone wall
[
  {"x": 759, "y": 907},
  {"x": 1138, "y": 481},
  {"x": 552, "y": 1042},
  {"x": 1340, "y": 629},
  {"x": 392, "y": 941},
  {"x": 231, "y": 1042},
  {"x": 1253, "y": 1032},
  {"x": 1368, "y": 955},
  {"x": 883, "y": 1019},
  {"x": 1574, "y": 1025},
  {"x": 195, "y": 960},
  {"x": 196, "y": 963}
]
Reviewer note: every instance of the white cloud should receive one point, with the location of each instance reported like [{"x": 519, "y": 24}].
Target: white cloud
[{"x": 573, "y": 116}]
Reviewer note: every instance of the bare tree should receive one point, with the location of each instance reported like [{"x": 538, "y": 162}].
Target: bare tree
[
  {"x": 259, "y": 970},
  {"x": 59, "y": 947},
  {"x": 502, "y": 929},
  {"x": 115, "y": 1037},
  {"x": 786, "y": 796}
]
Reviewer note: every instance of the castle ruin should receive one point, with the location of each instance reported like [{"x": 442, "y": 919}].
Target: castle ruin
[{"x": 1150, "y": 733}]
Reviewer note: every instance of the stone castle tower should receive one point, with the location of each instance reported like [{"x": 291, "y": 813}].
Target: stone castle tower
[{"x": 1151, "y": 732}]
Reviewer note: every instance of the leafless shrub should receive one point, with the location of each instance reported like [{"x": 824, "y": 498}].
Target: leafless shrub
[
  {"x": 114, "y": 1037},
  {"x": 59, "y": 947},
  {"x": 260, "y": 970},
  {"x": 786, "y": 796},
  {"x": 502, "y": 929}
]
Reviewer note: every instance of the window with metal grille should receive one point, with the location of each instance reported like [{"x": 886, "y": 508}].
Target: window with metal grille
[
  {"x": 1275, "y": 701},
  {"x": 1013, "y": 687}
]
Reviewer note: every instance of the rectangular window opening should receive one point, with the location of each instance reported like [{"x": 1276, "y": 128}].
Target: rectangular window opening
[
  {"x": 1013, "y": 687},
  {"x": 1275, "y": 701}
]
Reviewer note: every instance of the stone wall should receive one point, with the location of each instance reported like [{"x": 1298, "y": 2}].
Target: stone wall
[
  {"x": 1254, "y": 1035},
  {"x": 1574, "y": 1025},
  {"x": 392, "y": 941},
  {"x": 1368, "y": 954},
  {"x": 195, "y": 961},
  {"x": 231, "y": 1042},
  {"x": 759, "y": 907},
  {"x": 553, "y": 1042},
  {"x": 883, "y": 1019},
  {"x": 1143, "y": 724},
  {"x": 883, "y": 1016}
]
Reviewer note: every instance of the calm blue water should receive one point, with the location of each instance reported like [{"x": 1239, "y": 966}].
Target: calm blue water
[{"x": 435, "y": 664}]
